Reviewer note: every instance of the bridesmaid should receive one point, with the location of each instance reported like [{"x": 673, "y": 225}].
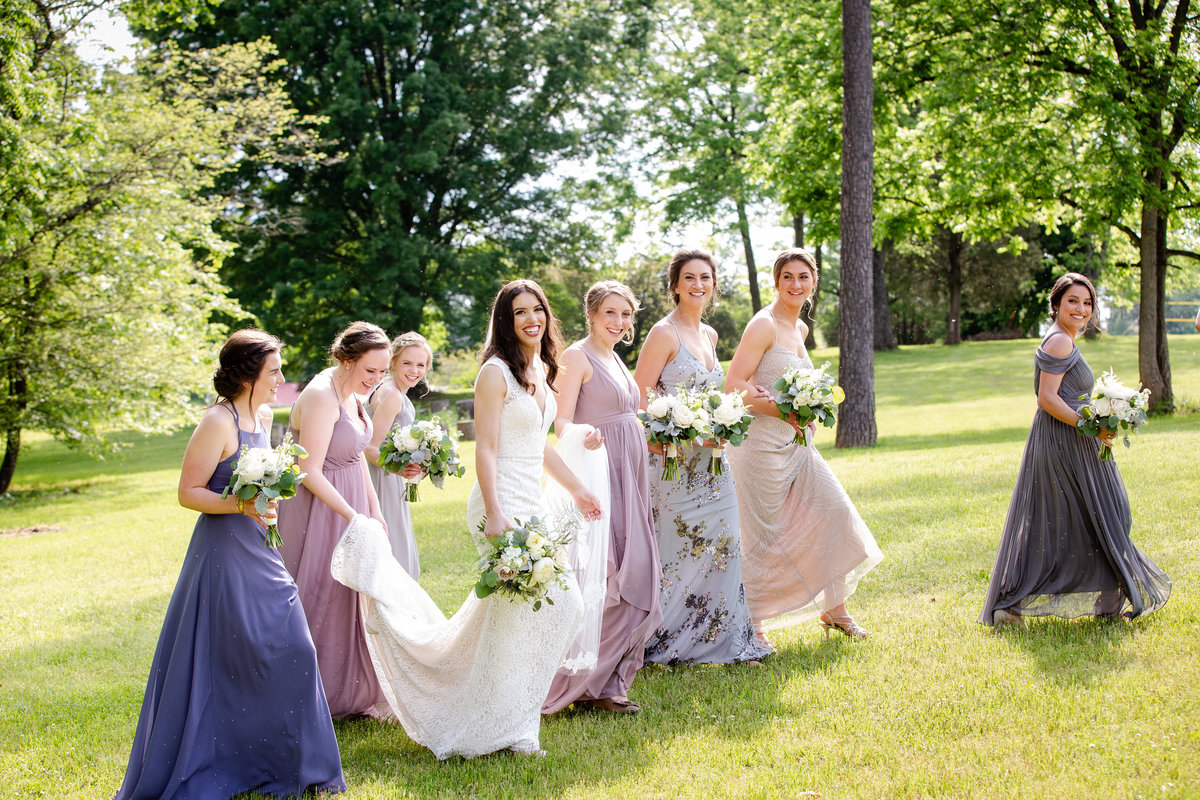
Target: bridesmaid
[
  {"x": 596, "y": 390},
  {"x": 1066, "y": 548},
  {"x": 330, "y": 422},
  {"x": 705, "y": 618},
  {"x": 805, "y": 544},
  {"x": 233, "y": 703},
  {"x": 411, "y": 357}
]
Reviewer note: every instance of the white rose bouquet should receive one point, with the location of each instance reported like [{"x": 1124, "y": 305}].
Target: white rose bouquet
[
  {"x": 426, "y": 444},
  {"x": 526, "y": 560},
  {"x": 809, "y": 394},
  {"x": 729, "y": 420},
  {"x": 263, "y": 474},
  {"x": 1111, "y": 406},
  {"x": 673, "y": 420}
]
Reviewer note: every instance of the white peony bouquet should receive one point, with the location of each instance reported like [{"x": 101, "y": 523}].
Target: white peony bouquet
[
  {"x": 809, "y": 394},
  {"x": 729, "y": 420},
  {"x": 426, "y": 444},
  {"x": 673, "y": 420},
  {"x": 526, "y": 560},
  {"x": 263, "y": 474},
  {"x": 1110, "y": 406}
]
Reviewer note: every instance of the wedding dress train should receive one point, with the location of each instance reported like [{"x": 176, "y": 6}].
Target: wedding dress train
[{"x": 474, "y": 683}]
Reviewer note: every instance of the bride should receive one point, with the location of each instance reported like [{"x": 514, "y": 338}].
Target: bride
[{"x": 475, "y": 683}]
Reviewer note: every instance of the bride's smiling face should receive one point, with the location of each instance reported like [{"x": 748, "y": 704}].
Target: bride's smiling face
[{"x": 529, "y": 320}]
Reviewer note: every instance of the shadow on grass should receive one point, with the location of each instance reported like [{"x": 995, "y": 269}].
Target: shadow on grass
[
  {"x": 707, "y": 704},
  {"x": 1073, "y": 651}
]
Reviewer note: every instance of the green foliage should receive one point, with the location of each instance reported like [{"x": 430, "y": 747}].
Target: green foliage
[
  {"x": 108, "y": 256},
  {"x": 1078, "y": 709},
  {"x": 439, "y": 121}
]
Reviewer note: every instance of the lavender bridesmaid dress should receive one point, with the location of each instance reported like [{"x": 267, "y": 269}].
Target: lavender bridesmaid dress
[
  {"x": 631, "y": 611},
  {"x": 310, "y": 530}
]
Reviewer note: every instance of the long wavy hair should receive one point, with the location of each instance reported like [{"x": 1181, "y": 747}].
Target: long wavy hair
[{"x": 502, "y": 340}]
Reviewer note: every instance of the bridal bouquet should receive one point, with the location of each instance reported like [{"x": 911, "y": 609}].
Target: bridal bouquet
[
  {"x": 263, "y": 474},
  {"x": 426, "y": 444},
  {"x": 1110, "y": 406},
  {"x": 809, "y": 394},
  {"x": 729, "y": 420},
  {"x": 673, "y": 420},
  {"x": 525, "y": 561}
]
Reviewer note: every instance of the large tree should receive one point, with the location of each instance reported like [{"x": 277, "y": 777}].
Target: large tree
[
  {"x": 1115, "y": 86},
  {"x": 440, "y": 121},
  {"x": 107, "y": 252},
  {"x": 856, "y": 336}
]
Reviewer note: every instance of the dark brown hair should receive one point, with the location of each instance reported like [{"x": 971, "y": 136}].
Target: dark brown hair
[
  {"x": 602, "y": 289},
  {"x": 241, "y": 360},
  {"x": 1060, "y": 288},
  {"x": 682, "y": 256},
  {"x": 502, "y": 335},
  {"x": 358, "y": 338}
]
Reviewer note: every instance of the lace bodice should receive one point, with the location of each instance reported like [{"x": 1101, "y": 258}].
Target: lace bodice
[{"x": 519, "y": 449}]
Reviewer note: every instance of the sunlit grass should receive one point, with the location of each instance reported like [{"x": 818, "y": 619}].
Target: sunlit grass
[{"x": 933, "y": 705}]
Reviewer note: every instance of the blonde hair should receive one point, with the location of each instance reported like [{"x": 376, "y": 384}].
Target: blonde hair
[
  {"x": 603, "y": 289},
  {"x": 405, "y": 341}
]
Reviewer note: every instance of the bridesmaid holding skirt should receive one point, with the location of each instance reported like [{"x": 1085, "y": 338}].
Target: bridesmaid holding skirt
[
  {"x": 330, "y": 422},
  {"x": 411, "y": 357},
  {"x": 705, "y": 617},
  {"x": 597, "y": 390},
  {"x": 805, "y": 545},
  {"x": 233, "y": 703},
  {"x": 1066, "y": 549}
]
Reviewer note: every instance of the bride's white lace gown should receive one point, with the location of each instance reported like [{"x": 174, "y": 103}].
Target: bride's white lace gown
[{"x": 474, "y": 683}]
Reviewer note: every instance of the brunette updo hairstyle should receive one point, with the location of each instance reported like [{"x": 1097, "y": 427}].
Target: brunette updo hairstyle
[
  {"x": 357, "y": 339},
  {"x": 682, "y": 256},
  {"x": 405, "y": 341},
  {"x": 795, "y": 254},
  {"x": 1060, "y": 288},
  {"x": 601, "y": 290},
  {"x": 502, "y": 335},
  {"x": 240, "y": 362}
]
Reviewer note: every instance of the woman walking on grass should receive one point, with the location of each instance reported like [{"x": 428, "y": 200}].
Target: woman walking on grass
[
  {"x": 1066, "y": 549},
  {"x": 330, "y": 422},
  {"x": 705, "y": 618},
  {"x": 596, "y": 391},
  {"x": 234, "y": 703},
  {"x": 805, "y": 545},
  {"x": 389, "y": 405}
]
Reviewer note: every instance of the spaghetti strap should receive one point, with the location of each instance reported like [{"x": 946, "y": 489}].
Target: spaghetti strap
[
  {"x": 678, "y": 338},
  {"x": 233, "y": 411}
]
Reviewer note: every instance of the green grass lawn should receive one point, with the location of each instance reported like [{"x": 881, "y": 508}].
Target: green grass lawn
[{"x": 933, "y": 705}]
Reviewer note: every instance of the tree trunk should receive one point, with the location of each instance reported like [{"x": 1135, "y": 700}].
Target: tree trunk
[
  {"x": 954, "y": 283},
  {"x": 856, "y": 336},
  {"x": 885, "y": 334},
  {"x": 1154, "y": 367},
  {"x": 810, "y": 340},
  {"x": 12, "y": 448},
  {"x": 797, "y": 230},
  {"x": 14, "y": 410},
  {"x": 748, "y": 248}
]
